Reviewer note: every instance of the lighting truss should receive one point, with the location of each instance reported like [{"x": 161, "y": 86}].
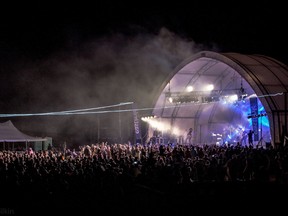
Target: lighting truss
[{"x": 206, "y": 96}]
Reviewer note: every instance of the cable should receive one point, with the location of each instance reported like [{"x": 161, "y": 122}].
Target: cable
[
  {"x": 87, "y": 110},
  {"x": 67, "y": 112}
]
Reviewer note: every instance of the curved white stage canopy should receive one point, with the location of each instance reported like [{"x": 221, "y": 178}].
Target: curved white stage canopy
[{"x": 260, "y": 82}]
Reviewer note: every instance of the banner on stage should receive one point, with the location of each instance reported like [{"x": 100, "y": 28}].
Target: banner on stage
[
  {"x": 137, "y": 127},
  {"x": 254, "y": 112}
]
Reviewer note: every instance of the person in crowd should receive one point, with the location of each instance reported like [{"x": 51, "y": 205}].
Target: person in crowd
[{"x": 116, "y": 170}]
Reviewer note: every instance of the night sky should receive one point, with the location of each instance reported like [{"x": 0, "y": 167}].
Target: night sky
[{"x": 80, "y": 55}]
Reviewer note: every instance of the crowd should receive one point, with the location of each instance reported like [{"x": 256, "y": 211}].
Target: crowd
[{"x": 123, "y": 177}]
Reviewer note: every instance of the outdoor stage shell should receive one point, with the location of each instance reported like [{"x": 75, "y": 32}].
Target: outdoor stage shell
[{"x": 260, "y": 76}]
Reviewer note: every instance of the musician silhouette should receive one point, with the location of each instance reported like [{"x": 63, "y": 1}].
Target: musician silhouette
[
  {"x": 244, "y": 138},
  {"x": 250, "y": 137},
  {"x": 189, "y": 135}
]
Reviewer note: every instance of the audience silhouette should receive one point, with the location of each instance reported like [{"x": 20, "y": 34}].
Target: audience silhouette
[{"x": 98, "y": 176}]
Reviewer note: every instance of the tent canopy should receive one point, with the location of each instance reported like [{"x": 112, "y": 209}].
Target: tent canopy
[{"x": 9, "y": 133}]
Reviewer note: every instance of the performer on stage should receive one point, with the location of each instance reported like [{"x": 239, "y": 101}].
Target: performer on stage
[
  {"x": 244, "y": 138},
  {"x": 250, "y": 137},
  {"x": 189, "y": 136}
]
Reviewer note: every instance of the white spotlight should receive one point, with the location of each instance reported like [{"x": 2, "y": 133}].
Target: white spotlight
[
  {"x": 233, "y": 98},
  {"x": 189, "y": 88},
  {"x": 210, "y": 87}
]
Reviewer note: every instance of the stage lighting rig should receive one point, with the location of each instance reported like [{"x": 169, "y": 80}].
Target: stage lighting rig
[
  {"x": 242, "y": 93},
  {"x": 229, "y": 96},
  {"x": 200, "y": 96},
  {"x": 256, "y": 115}
]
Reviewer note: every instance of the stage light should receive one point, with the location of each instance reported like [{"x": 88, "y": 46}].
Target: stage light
[
  {"x": 210, "y": 99},
  {"x": 209, "y": 95},
  {"x": 148, "y": 118},
  {"x": 189, "y": 88},
  {"x": 256, "y": 115},
  {"x": 210, "y": 87},
  {"x": 233, "y": 98}
]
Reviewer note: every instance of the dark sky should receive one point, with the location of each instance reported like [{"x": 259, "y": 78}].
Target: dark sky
[{"x": 57, "y": 57}]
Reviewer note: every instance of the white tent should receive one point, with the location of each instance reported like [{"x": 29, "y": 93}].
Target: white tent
[{"x": 9, "y": 133}]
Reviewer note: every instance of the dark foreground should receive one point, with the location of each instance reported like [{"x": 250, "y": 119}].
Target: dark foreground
[{"x": 225, "y": 198}]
